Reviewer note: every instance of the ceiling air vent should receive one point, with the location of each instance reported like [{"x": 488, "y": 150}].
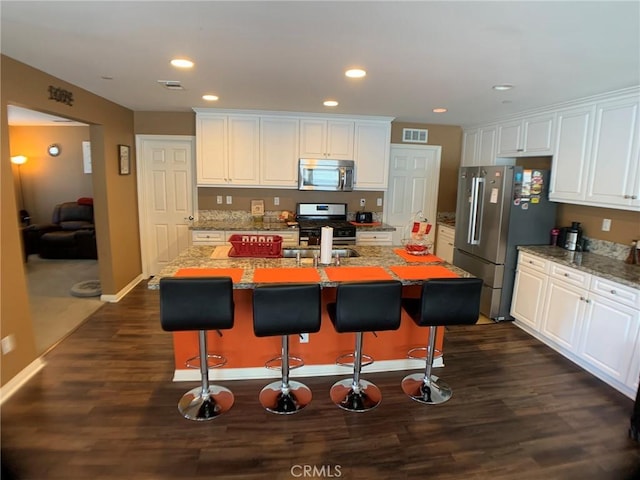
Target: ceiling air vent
[
  {"x": 415, "y": 135},
  {"x": 171, "y": 84}
]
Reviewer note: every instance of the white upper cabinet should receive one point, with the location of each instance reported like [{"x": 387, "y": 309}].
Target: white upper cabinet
[
  {"x": 470, "y": 147},
  {"x": 322, "y": 138},
  {"x": 596, "y": 155},
  {"x": 279, "y": 147},
  {"x": 211, "y": 150},
  {"x": 262, "y": 148},
  {"x": 614, "y": 176},
  {"x": 479, "y": 146},
  {"x": 529, "y": 136},
  {"x": 227, "y": 150},
  {"x": 571, "y": 154},
  {"x": 372, "y": 147}
]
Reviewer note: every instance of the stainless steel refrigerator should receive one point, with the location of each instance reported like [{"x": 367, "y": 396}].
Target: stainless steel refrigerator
[{"x": 499, "y": 208}]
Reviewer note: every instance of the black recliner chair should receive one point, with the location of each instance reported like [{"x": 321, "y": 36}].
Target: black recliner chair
[{"x": 71, "y": 233}]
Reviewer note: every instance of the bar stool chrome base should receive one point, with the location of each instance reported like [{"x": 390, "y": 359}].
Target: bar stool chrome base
[
  {"x": 430, "y": 392},
  {"x": 283, "y": 400},
  {"x": 198, "y": 404},
  {"x": 362, "y": 397}
]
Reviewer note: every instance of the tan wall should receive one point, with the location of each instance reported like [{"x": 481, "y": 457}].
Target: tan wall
[
  {"x": 242, "y": 197},
  {"x": 115, "y": 198},
  {"x": 450, "y": 139},
  {"x": 46, "y": 180},
  {"x": 165, "y": 123},
  {"x": 625, "y": 225}
]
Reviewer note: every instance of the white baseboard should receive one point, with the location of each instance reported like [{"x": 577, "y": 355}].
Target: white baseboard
[
  {"x": 120, "y": 295},
  {"x": 13, "y": 385},
  {"x": 253, "y": 373}
]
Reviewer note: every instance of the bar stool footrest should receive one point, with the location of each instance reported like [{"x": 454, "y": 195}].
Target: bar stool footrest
[
  {"x": 213, "y": 361},
  {"x": 411, "y": 354},
  {"x": 342, "y": 360},
  {"x": 276, "y": 363}
]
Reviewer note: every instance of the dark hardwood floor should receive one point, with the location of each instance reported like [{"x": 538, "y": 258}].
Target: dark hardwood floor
[{"x": 104, "y": 407}]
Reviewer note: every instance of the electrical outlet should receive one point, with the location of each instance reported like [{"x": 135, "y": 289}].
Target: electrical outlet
[
  {"x": 229, "y": 200},
  {"x": 362, "y": 202},
  {"x": 8, "y": 344},
  {"x": 219, "y": 199},
  {"x": 606, "y": 225},
  {"x": 276, "y": 201},
  {"x": 304, "y": 338},
  {"x": 379, "y": 202}
]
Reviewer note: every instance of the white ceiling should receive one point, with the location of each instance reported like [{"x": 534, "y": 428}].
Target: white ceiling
[{"x": 291, "y": 56}]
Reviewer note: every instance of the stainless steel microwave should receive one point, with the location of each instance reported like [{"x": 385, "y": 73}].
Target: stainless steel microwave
[{"x": 324, "y": 174}]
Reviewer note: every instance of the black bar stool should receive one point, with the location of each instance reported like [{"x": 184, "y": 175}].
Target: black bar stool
[
  {"x": 363, "y": 307},
  {"x": 285, "y": 309},
  {"x": 445, "y": 301},
  {"x": 199, "y": 303}
]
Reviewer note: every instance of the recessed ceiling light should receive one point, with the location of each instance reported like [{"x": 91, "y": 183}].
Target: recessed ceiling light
[
  {"x": 504, "y": 86},
  {"x": 355, "y": 73},
  {"x": 210, "y": 98},
  {"x": 330, "y": 103},
  {"x": 181, "y": 63},
  {"x": 439, "y": 110}
]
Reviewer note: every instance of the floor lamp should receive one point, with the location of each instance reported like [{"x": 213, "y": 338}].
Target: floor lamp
[{"x": 20, "y": 160}]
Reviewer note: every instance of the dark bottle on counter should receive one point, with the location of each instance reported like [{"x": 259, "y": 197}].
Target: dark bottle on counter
[{"x": 632, "y": 258}]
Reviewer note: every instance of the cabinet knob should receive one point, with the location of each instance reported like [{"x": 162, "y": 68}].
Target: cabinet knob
[
  {"x": 566, "y": 274},
  {"x": 627, "y": 196},
  {"x": 613, "y": 292},
  {"x": 520, "y": 150}
]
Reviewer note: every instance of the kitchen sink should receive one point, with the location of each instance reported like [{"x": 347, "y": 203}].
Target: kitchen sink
[{"x": 309, "y": 252}]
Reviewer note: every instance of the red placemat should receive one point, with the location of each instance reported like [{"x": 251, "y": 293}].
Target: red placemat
[
  {"x": 348, "y": 274},
  {"x": 422, "y": 272},
  {"x": 417, "y": 258},
  {"x": 234, "y": 273},
  {"x": 285, "y": 275}
]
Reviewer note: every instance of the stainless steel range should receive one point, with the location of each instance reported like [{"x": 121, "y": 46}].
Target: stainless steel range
[{"x": 312, "y": 217}]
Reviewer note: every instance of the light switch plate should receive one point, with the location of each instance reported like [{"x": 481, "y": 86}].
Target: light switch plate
[
  {"x": 363, "y": 202},
  {"x": 219, "y": 199},
  {"x": 606, "y": 225},
  {"x": 379, "y": 202},
  {"x": 229, "y": 200}
]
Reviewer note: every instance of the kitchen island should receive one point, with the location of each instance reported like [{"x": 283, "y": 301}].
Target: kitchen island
[{"x": 246, "y": 353}]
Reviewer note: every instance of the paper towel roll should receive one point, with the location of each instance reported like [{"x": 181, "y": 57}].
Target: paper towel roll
[{"x": 326, "y": 245}]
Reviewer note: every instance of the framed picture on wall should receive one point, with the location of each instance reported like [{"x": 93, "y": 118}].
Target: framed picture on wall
[{"x": 124, "y": 160}]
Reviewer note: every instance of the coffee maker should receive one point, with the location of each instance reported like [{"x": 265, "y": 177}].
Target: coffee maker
[{"x": 571, "y": 237}]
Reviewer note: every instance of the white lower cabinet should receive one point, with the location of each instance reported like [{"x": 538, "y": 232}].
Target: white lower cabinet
[
  {"x": 593, "y": 321},
  {"x": 374, "y": 238},
  {"x": 529, "y": 291},
  {"x": 290, "y": 238},
  {"x": 563, "y": 312},
  {"x": 609, "y": 336},
  {"x": 445, "y": 240},
  {"x": 208, "y": 237}
]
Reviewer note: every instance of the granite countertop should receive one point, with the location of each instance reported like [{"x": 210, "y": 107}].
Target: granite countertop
[
  {"x": 235, "y": 225},
  {"x": 200, "y": 257},
  {"x": 605, "y": 267}
]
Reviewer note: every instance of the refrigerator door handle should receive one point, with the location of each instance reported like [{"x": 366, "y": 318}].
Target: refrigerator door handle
[{"x": 474, "y": 237}]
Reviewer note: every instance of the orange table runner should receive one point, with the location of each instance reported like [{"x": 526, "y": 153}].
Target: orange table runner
[
  {"x": 285, "y": 275},
  {"x": 346, "y": 274},
  {"x": 416, "y": 258},
  {"x": 422, "y": 272},
  {"x": 234, "y": 273}
]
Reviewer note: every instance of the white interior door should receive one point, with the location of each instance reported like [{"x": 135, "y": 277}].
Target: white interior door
[
  {"x": 166, "y": 189},
  {"x": 414, "y": 174}
]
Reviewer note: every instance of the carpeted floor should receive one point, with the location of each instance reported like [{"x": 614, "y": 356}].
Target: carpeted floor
[{"x": 54, "y": 311}]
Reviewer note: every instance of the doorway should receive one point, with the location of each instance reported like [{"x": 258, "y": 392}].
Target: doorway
[
  {"x": 414, "y": 175},
  {"x": 44, "y": 180}
]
